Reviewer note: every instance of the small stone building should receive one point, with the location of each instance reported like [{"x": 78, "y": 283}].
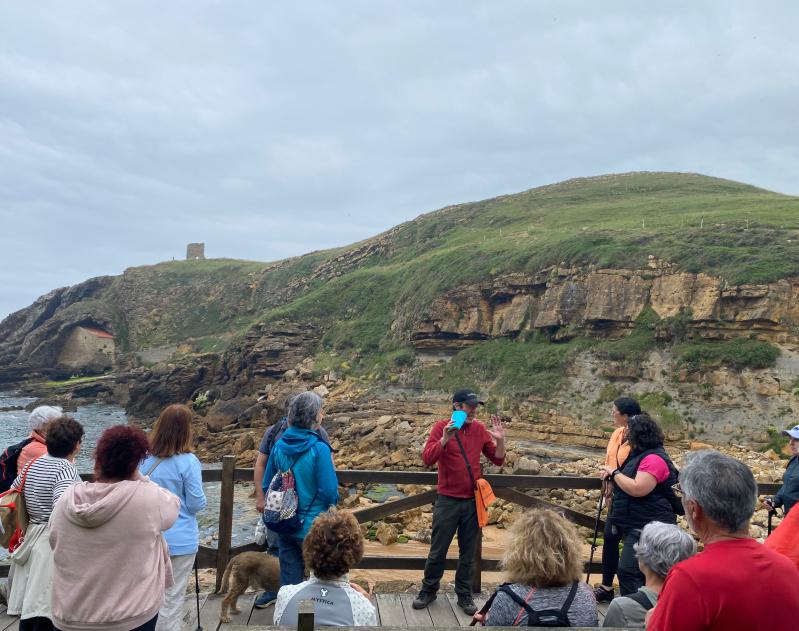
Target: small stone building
[
  {"x": 195, "y": 252},
  {"x": 87, "y": 347}
]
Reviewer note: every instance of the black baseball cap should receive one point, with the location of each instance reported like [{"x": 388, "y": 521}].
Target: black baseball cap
[{"x": 466, "y": 396}]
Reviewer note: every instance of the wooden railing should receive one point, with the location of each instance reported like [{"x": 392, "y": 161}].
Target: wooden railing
[{"x": 507, "y": 487}]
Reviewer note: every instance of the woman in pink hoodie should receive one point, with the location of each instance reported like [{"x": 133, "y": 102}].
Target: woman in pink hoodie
[{"x": 111, "y": 559}]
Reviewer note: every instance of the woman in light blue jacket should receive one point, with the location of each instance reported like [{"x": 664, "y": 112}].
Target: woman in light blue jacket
[{"x": 172, "y": 465}]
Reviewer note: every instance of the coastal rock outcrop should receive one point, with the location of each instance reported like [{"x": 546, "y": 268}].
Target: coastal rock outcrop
[{"x": 606, "y": 302}]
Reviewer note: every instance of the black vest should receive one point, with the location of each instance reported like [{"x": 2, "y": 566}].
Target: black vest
[{"x": 630, "y": 512}]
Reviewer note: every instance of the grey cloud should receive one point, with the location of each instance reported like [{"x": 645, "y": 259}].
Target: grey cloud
[{"x": 130, "y": 128}]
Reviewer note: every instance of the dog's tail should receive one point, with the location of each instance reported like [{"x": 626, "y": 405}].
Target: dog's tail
[{"x": 225, "y": 585}]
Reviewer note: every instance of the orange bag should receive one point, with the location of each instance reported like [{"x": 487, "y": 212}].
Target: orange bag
[
  {"x": 483, "y": 493},
  {"x": 483, "y": 497}
]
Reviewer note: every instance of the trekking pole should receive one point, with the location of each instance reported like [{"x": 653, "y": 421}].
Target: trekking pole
[
  {"x": 197, "y": 593},
  {"x": 771, "y": 512},
  {"x": 596, "y": 530}
]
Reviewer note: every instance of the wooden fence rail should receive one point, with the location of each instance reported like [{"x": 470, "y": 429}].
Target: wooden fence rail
[{"x": 507, "y": 487}]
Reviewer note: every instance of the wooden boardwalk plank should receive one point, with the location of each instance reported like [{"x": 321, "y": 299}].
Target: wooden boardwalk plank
[
  {"x": 414, "y": 617},
  {"x": 463, "y": 619},
  {"x": 391, "y": 612},
  {"x": 602, "y": 609},
  {"x": 441, "y": 613},
  {"x": 7, "y": 621},
  {"x": 262, "y": 617},
  {"x": 189, "y": 622},
  {"x": 245, "y": 605},
  {"x": 209, "y": 614}
]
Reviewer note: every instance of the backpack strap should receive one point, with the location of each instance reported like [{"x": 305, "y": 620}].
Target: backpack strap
[
  {"x": 642, "y": 599},
  {"x": 27, "y": 468},
  {"x": 531, "y": 616},
  {"x": 468, "y": 466},
  {"x": 569, "y": 599}
]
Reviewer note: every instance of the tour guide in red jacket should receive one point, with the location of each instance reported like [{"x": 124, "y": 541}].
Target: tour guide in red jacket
[{"x": 455, "y": 508}]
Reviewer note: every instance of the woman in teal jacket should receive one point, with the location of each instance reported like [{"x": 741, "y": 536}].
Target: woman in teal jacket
[
  {"x": 302, "y": 450},
  {"x": 172, "y": 466}
]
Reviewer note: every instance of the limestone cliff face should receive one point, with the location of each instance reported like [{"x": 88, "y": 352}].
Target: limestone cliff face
[{"x": 606, "y": 302}]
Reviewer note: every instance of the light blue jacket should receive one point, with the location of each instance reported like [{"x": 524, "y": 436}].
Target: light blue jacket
[
  {"x": 314, "y": 474},
  {"x": 182, "y": 475}
]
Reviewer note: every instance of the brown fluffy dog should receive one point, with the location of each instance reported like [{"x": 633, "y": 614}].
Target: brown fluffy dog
[{"x": 254, "y": 569}]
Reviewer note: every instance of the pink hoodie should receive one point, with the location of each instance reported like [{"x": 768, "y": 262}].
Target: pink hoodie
[{"x": 111, "y": 560}]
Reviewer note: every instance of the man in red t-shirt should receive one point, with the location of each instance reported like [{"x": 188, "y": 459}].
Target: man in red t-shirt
[
  {"x": 455, "y": 508},
  {"x": 736, "y": 583}
]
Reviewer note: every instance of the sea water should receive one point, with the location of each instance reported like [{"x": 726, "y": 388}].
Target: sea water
[{"x": 96, "y": 417}]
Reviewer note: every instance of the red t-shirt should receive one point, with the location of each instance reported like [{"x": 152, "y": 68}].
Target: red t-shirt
[
  {"x": 453, "y": 477},
  {"x": 737, "y": 585}
]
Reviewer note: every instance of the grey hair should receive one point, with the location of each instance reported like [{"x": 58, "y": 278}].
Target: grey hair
[
  {"x": 43, "y": 415},
  {"x": 663, "y": 545},
  {"x": 303, "y": 410},
  {"x": 723, "y": 486}
]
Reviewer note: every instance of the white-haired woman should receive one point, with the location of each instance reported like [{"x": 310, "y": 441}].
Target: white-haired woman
[
  {"x": 37, "y": 424},
  {"x": 302, "y": 451},
  {"x": 660, "y": 547}
]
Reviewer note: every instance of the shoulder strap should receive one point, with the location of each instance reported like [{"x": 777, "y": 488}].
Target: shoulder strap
[
  {"x": 25, "y": 474},
  {"x": 642, "y": 599},
  {"x": 155, "y": 466},
  {"x": 506, "y": 589},
  {"x": 570, "y": 599},
  {"x": 466, "y": 459}
]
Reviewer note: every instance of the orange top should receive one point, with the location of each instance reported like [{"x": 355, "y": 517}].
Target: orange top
[
  {"x": 785, "y": 536},
  {"x": 31, "y": 451},
  {"x": 618, "y": 449}
]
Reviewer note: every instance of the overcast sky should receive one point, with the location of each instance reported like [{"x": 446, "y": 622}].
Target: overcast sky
[{"x": 270, "y": 129}]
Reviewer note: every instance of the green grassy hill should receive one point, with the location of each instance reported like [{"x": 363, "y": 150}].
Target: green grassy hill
[
  {"x": 357, "y": 293},
  {"x": 723, "y": 228}
]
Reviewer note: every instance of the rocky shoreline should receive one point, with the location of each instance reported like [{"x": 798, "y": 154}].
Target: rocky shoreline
[{"x": 374, "y": 429}]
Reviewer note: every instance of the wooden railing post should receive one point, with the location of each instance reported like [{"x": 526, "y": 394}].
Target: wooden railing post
[
  {"x": 477, "y": 575},
  {"x": 225, "y": 518}
]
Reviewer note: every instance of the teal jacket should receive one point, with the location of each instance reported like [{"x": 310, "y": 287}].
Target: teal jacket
[{"x": 309, "y": 458}]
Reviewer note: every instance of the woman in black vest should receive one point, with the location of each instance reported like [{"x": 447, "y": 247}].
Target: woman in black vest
[{"x": 642, "y": 493}]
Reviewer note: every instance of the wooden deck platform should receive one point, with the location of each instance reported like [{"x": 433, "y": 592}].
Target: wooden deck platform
[{"x": 393, "y": 610}]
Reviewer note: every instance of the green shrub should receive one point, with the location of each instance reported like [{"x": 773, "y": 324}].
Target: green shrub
[
  {"x": 609, "y": 392},
  {"x": 737, "y": 354},
  {"x": 505, "y": 366},
  {"x": 637, "y": 345},
  {"x": 657, "y": 404}
]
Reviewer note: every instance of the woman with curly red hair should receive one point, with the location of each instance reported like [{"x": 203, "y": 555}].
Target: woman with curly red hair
[
  {"x": 111, "y": 560},
  {"x": 333, "y": 545}
]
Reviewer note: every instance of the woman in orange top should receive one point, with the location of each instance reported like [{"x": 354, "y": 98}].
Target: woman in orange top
[
  {"x": 617, "y": 452},
  {"x": 37, "y": 423},
  {"x": 785, "y": 538}
]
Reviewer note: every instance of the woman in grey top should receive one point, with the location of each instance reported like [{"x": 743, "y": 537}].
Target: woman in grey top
[
  {"x": 542, "y": 562},
  {"x": 660, "y": 547}
]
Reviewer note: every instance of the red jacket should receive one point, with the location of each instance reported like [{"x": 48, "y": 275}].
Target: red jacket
[{"x": 453, "y": 477}]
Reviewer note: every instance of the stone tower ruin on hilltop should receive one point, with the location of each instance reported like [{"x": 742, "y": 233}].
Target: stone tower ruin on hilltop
[{"x": 195, "y": 252}]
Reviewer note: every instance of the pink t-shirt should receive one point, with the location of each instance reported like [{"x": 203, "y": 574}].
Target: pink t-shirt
[{"x": 655, "y": 466}]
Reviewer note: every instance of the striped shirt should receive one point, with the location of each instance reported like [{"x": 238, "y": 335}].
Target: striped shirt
[{"x": 47, "y": 479}]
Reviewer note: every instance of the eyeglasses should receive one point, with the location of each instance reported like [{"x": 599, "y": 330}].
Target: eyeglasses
[{"x": 678, "y": 490}]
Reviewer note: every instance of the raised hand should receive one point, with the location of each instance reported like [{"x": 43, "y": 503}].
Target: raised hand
[{"x": 497, "y": 430}]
